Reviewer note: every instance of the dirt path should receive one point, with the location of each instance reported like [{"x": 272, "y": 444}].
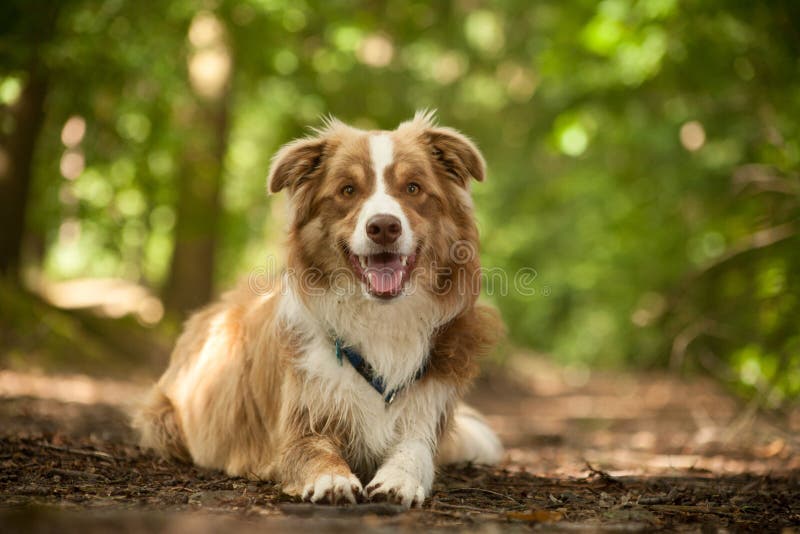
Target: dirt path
[{"x": 610, "y": 452}]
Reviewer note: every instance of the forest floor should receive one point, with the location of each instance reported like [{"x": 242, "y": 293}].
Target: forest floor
[{"x": 585, "y": 453}]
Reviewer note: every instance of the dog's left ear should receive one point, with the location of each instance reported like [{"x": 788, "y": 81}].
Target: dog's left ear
[
  {"x": 295, "y": 162},
  {"x": 456, "y": 155}
]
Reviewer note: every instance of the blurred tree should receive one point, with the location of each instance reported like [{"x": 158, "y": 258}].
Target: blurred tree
[
  {"x": 21, "y": 51},
  {"x": 204, "y": 118}
]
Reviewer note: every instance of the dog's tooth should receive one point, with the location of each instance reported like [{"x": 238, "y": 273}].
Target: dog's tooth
[
  {"x": 404, "y": 259},
  {"x": 363, "y": 261}
]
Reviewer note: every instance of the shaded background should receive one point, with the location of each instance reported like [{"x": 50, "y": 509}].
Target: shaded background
[{"x": 643, "y": 161}]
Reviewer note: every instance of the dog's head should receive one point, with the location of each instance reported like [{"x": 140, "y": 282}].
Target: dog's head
[{"x": 387, "y": 212}]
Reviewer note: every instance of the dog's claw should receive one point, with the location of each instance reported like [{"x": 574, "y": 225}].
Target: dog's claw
[
  {"x": 396, "y": 487},
  {"x": 332, "y": 489}
]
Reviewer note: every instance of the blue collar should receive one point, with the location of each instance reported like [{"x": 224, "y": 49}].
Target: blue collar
[{"x": 363, "y": 368}]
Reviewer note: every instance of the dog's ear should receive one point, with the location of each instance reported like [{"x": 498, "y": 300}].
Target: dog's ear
[
  {"x": 295, "y": 162},
  {"x": 455, "y": 154}
]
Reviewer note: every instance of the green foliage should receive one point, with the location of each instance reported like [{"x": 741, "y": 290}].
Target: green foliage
[{"x": 643, "y": 154}]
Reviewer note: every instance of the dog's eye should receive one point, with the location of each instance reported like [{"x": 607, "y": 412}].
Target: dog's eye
[
  {"x": 412, "y": 188},
  {"x": 348, "y": 190}
]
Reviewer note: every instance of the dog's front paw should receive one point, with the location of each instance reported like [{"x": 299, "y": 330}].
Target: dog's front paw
[
  {"x": 396, "y": 486},
  {"x": 333, "y": 489}
]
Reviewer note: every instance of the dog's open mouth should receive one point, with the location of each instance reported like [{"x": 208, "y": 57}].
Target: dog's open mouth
[{"x": 384, "y": 273}]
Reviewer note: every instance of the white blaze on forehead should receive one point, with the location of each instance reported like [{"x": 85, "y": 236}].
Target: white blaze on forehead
[{"x": 381, "y": 151}]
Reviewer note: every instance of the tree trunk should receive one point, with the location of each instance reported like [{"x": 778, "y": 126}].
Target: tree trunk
[
  {"x": 191, "y": 277},
  {"x": 28, "y": 116}
]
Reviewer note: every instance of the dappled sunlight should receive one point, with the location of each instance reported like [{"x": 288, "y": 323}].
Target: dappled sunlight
[
  {"x": 636, "y": 468},
  {"x": 630, "y": 424},
  {"x": 79, "y": 389},
  {"x": 112, "y": 297}
]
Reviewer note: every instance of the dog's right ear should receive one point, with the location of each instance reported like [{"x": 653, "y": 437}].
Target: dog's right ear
[{"x": 295, "y": 162}]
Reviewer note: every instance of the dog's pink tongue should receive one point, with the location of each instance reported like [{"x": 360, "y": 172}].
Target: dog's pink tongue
[{"x": 385, "y": 274}]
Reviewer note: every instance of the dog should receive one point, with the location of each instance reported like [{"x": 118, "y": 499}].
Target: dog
[{"x": 349, "y": 366}]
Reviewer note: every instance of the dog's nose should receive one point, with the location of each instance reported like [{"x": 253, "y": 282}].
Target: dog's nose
[{"x": 384, "y": 229}]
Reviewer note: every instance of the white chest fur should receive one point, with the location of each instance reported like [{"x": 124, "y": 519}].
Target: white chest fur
[
  {"x": 339, "y": 390},
  {"x": 394, "y": 339}
]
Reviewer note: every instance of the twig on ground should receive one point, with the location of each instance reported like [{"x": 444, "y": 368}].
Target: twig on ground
[
  {"x": 96, "y": 454},
  {"x": 605, "y": 477},
  {"x": 466, "y": 507},
  {"x": 456, "y": 490}
]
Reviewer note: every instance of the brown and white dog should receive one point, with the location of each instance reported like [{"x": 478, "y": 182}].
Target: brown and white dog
[{"x": 350, "y": 366}]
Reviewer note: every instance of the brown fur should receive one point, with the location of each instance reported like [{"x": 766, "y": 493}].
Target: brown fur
[{"x": 236, "y": 395}]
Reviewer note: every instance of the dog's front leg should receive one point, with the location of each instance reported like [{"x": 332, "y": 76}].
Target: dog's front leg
[
  {"x": 316, "y": 472},
  {"x": 312, "y": 468},
  {"x": 406, "y": 475}
]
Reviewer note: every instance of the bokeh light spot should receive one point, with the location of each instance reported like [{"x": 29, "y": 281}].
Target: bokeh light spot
[
  {"x": 520, "y": 82},
  {"x": 72, "y": 164},
  {"x": 210, "y": 63},
  {"x": 209, "y": 71},
  {"x": 205, "y": 30},
  {"x": 10, "y": 89},
  {"x": 294, "y": 20},
  {"x": 692, "y": 136},
  {"x": 285, "y": 62},
  {"x": 375, "y": 50},
  {"x": 573, "y": 140},
  {"x": 484, "y": 31},
  {"x": 449, "y": 67},
  {"x": 73, "y": 131}
]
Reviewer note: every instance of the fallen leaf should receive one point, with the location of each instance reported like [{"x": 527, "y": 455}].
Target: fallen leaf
[{"x": 536, "y": 516}]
